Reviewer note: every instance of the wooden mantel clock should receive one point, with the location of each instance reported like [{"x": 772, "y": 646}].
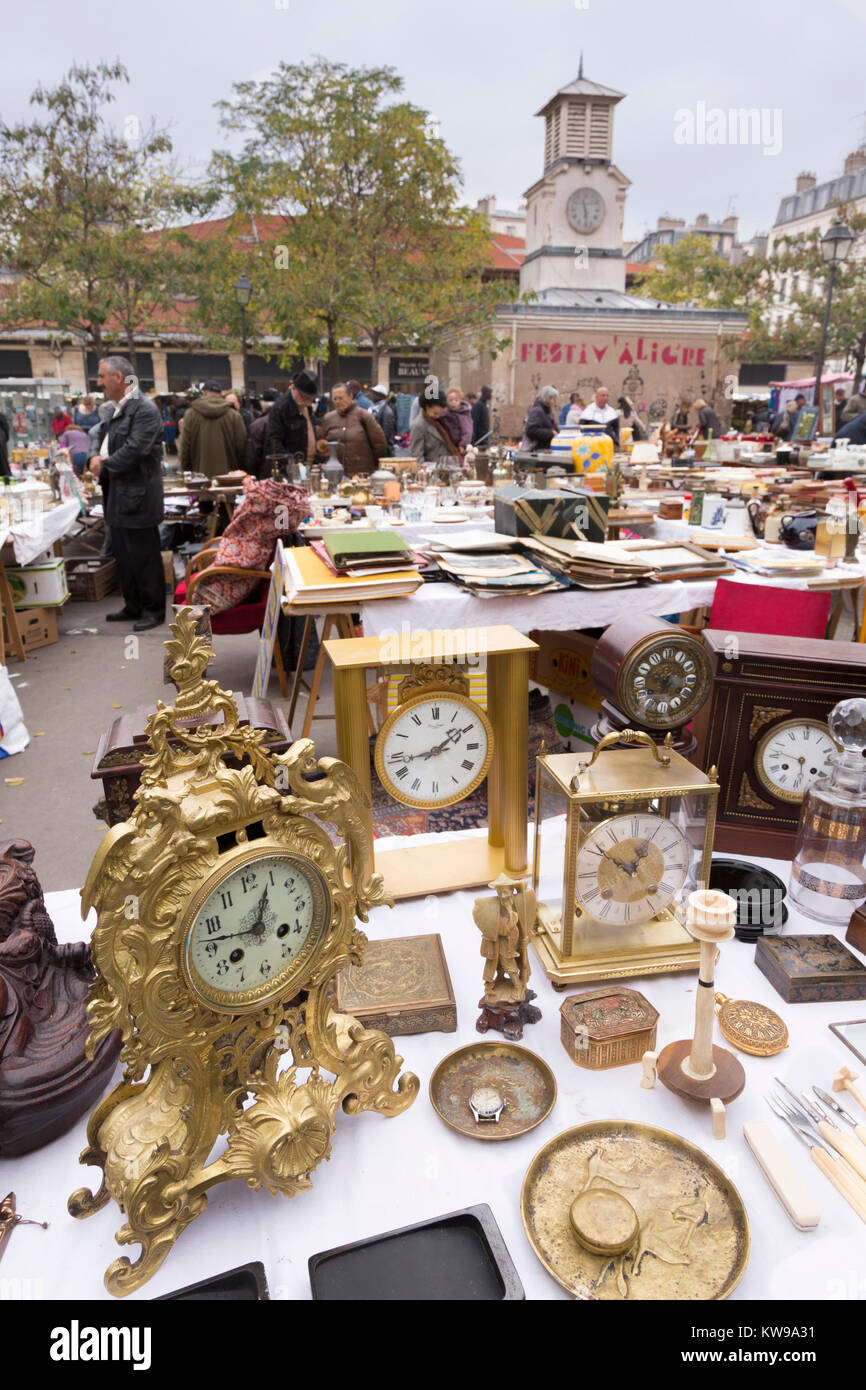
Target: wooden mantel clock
[
  {"x": 225, "y": 910},
  {"x": 438, "y": 745},
  {"x": 765, "y": 728}
]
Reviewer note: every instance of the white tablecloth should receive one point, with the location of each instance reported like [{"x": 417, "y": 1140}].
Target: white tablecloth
[
  {"x": 33, "y": 537},
  {"x": 386, "y": 1173}
]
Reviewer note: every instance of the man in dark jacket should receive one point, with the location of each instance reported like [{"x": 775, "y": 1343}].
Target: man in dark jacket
[
  {"x": 290, "y": 422},
  {"x": 130, "y": 459},
  {"x": 5, "y": 470},
  {"x": 481, "y": 417},
  {"x": 213, "y": 437}
]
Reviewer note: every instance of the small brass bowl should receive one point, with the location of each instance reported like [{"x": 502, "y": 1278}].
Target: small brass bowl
[{"x": 604, "y": 1222}]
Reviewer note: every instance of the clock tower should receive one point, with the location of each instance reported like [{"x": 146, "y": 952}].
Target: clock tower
[{"x": 574, "y": 213}]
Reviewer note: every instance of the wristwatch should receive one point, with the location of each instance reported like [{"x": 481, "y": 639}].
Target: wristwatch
[{"x": 486, "y": 1105}]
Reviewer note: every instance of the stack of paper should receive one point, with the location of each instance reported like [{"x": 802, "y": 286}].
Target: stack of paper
[
  {"x": 590, "y": 564},
  {"x": 310, "y": 581},
  {"x": 495, "y": 574}
]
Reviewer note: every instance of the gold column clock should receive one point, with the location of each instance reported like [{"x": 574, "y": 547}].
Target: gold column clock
[
  {"x": 225, "y": 910},
  {"x": 621, "y": 836},
  {"x": 438, "y": 745}
]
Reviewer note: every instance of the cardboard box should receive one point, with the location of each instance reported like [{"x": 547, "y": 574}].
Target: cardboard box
[
  {"x": 526, "y": 512},
  {"x": 38, "y": 628},
  {"x": 563, "y": 663},
  {"x": 41, "y": 585}
]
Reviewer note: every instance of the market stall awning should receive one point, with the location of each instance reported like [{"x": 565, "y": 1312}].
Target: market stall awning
[{"x": 830, "y": 379}]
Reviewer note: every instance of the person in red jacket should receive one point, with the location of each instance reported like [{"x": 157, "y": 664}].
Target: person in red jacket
[{"x": 60, "y": 421}]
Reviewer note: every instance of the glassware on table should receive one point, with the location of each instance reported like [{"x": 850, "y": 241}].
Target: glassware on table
[{"x": 828, "y": 875}]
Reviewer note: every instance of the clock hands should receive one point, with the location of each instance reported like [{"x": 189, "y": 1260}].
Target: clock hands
[{"x": 257, "y": 928}]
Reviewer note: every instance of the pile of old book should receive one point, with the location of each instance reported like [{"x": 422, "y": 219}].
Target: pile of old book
[
  {"x": 619, "y": 564},
  {"x": 350, "y": 566},
  {"x": 489, "y": 565}
]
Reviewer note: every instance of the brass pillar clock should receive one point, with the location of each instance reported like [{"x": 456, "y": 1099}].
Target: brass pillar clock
[
  {"x": 622, "y": 835},
  {"x": 438, "y": 746},
  {"x": 225, "y": 910}
]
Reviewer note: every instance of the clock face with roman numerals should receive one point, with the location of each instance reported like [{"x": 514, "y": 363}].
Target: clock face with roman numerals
[
  {"x": 434, "y": 749},
  {"x": 256, "y": 930},
  {"x": 630, "y": 867},
  {"x": 793, "y": 755}
]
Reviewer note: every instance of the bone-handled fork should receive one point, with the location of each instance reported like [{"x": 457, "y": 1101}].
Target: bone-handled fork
[
  {"x": 832, "y": 1104},
  {"x": 843, "y": 1143},
  {"x": 850, "y": 1187}
]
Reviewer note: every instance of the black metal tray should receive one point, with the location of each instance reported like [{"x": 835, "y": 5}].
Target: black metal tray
[
  {"x": 460, "y": 1256},
  {"x": 244, "y": 1284},
  {"x": 760, "y": 895}
]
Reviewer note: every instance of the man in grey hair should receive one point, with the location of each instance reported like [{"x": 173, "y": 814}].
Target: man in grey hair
[{"x": 130, "y": 461}]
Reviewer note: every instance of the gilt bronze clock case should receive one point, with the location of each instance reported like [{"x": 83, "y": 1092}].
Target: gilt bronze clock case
[
  {"x": 226, "y": 905},
  {"x": 652, "y": 676},
  {"x": 762, "y": 683}
]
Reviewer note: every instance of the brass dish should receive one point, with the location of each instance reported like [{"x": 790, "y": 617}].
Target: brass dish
[
  {"x": 693, "y": 1238},
  {"x": 751, "y": 1027},
  {"x": 523, "y": 1080}
]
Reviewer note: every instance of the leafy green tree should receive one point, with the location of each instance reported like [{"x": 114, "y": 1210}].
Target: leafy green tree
[
  {"x": 81, "y": 202},
  {"x": 369, "y": 238},
  {"x": 690, "y": 271}
]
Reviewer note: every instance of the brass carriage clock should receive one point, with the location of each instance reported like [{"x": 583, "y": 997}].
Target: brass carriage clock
[
  {"x": 225, "y": 910},
  {"x": 622, "y": 835}
]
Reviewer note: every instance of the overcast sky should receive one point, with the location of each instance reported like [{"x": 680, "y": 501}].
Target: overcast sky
[{"x": 482, "y": 68}]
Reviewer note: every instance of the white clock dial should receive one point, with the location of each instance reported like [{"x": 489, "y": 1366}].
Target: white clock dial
[
  {"x": 585, "y": 210},
  {"x": 434, "y": 750},
  {"x": 791, "y": 756},
  {"x": 630, "y": 867},
  {"x": 252, "y": 928}
]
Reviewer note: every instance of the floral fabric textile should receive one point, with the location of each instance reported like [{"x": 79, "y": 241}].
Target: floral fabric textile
[{"x": 269, "y": 510}]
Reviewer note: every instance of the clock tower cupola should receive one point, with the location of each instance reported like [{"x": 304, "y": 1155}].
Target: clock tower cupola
[{"x": 574, "y": 213}]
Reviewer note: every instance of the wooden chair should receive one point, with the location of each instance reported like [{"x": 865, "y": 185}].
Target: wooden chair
[{"x": 243, "y": 617}]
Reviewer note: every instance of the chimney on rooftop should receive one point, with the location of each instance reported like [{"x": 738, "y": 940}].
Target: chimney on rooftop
[
  {"x": 731, "y": 223},
  {"x": 665, "y": 222},
  {"x": 805, "y": 181},
  {"x": 856, "y": 159}
]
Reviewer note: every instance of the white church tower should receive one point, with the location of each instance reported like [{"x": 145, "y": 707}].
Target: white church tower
[{"x": 574, "y": 213}]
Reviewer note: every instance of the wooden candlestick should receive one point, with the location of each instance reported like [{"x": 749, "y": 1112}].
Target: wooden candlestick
[{"x": 695, "y": 1068}]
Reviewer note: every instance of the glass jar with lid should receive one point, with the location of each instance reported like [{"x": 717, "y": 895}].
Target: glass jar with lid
[{"x": 828, "y": 875}]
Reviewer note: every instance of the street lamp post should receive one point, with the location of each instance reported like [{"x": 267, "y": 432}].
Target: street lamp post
[
  {"x": 835, "y": 245},
  {"x": 243, "y": 294}
]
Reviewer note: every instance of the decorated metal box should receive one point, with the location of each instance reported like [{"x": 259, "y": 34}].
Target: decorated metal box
[
  {"x": 579, "y": 513},
  {"x": 608, "y": 1027},
  {"x": 811, "y": 969},
  {"x": 402, "y": 986}
]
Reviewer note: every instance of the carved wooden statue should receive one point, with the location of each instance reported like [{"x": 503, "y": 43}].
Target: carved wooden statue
[
  {"x": 46, "y": 1082},
  {"x": 504, "y": 922}
]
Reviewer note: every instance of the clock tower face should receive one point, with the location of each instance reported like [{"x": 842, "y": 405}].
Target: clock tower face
[{"x": 585, "y": 210}]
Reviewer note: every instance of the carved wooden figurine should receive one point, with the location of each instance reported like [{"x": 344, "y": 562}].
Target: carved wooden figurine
[
  {"x": 505, "y": 922},
  {"x": 46, "y": 1082}
]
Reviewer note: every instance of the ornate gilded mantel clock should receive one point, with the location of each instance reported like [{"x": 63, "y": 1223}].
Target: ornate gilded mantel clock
[
  {"x": 622, "y": 835},
  {"x": 438, "y": 745},
  {"x": 224, "y": 912}
]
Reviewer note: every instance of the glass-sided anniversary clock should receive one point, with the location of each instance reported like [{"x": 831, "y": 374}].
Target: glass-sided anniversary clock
[
  {"x": 438, "y": 745},
  {"x": 622, "y": 835},
  {"x": 224, "y": 911},
  {"x": 765, "y": 728}
]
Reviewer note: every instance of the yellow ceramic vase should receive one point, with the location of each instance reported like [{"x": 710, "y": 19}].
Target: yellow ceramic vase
[{"x": 592, "y": 449}]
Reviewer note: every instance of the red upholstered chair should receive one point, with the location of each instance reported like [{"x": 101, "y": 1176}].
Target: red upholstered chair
[
  {"x": 244, "y": 617},
  {"x": 766, "y": 608}
]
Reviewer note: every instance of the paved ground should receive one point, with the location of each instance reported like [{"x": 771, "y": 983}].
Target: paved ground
[{"x": 70, "y": 693}]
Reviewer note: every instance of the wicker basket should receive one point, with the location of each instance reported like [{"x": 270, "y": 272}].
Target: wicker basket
[{"x": 90, "y": 579}]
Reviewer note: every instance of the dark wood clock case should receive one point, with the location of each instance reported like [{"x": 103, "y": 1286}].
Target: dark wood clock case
[{"x": 759, "y": 681}]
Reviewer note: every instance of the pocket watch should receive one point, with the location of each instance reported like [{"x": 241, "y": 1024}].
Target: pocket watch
[
  {"x": 436, "y": 747},
  {"x": 792, "y": 755},
  {"x": 751, "y": 1027}
]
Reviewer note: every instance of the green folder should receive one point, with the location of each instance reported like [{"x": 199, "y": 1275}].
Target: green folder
[{"x": 356, "y": 550}]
